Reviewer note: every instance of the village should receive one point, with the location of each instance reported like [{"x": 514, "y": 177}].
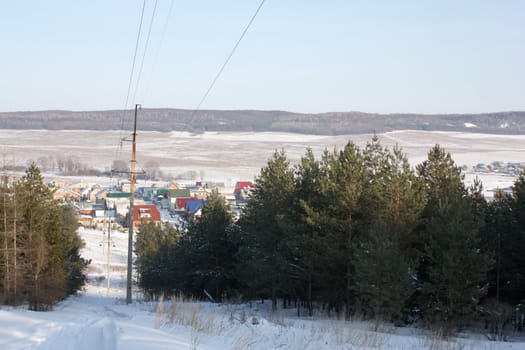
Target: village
[
  {"x": 509, "y": 168},
  {"x": 107, "y": 206}
]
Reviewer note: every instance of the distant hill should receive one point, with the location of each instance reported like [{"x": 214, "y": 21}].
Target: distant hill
[{"x": 337, "y": 123}]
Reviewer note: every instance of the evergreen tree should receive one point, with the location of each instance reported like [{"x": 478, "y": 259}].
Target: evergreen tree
[
  {"x": 390, "y": 208},
  {"x": 155, "y": 248},
  {"x": 501, "y": 239},
  {"x": 35, "y": 199},
  {"x": 343, "y": 187},
  {"x": 212, "y": 249},
  {"x": 309, "y": 241},
  {"x": 382, "y": 280},
  {"x": 266, "y": 230},
  {"x": 8, "y": 254},
  {"x": 513, "y": 265},
  {"x": 45, "y": 264},
  {"x": 452, "y": 266}
]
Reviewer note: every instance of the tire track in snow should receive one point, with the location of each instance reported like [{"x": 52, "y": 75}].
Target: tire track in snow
[{"x": 100, "y": 334}]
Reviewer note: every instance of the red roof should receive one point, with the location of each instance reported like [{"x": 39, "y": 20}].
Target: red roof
[
  {"x": 181, "y": 202},
  {"x": 242, "y": 184},
  {"x": 145, "y": 213}
]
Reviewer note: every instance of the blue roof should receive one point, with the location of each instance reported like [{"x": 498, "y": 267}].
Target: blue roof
[{"x": 193, "y": 206}]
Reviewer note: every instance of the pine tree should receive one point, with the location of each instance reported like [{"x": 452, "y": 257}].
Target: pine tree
[
  {"x": 212, "y": 251},
  {"x": 45, "y": 244},
  {"x": 308, "y": 242},
  {"x": 265, "y": 256},
  {"x": 512, "y": 249},
  {"x": 7, "y": 253},
  {"x": 155, "y": 248},
  {"x": 35, "y": 199},
  {"x": 341, "y": 218},
  {"x": 452, "y": 266},
  {"x": 382, "y": 274},
  {"x": 500, "y": 240},
  {"x": 390, "y": 209}
]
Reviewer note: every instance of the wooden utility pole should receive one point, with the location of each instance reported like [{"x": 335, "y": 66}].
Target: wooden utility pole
[
  {"x": 131, "y": 202},
  {"x": 109, "y": 254}
]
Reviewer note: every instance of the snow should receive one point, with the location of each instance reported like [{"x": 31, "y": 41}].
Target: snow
[
  {"x": 470, "y": 125},
  {"x": 239, "y": 156},
  {"x": 99, "y": 319}
]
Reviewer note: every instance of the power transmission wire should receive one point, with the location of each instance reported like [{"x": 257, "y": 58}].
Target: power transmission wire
[
  {"x": 229, "y": 57},
  {"x": 145, "y": 51},
  {"x": 157, "y": 52},
  {"x": 135, "y": 55},
  {"x": 192, "y": 116},
  {"x": 122, "y": 118}
]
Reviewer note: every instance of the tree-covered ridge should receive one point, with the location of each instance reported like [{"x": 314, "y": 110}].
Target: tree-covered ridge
[
  {"x": 332, "y": 123},
  {"x": 357, "y": 231},
  {"x": 40, "y": 261}
]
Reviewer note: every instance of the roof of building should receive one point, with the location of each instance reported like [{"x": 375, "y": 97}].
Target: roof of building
[
  {"x": 242, "y": 184},
  {"x": 179, "y": 193},
  {"x": 118, "y": 195},
  {"x": 193, "y": 206},
  {"x": 146, "y": 212}
]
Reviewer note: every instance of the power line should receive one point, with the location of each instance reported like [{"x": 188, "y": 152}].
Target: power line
[
  {"x": 229, "y": 57},
  {"x": 192, "y": 116},
  {"x": 135, "y": 54},
  {"x": 157, "y": 52},
  {"x": 122, "y": 118},
  {"x": 145, "y": 50}
]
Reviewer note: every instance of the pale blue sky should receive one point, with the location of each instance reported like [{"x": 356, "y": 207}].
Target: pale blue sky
[{"x": 439, "y": 56}]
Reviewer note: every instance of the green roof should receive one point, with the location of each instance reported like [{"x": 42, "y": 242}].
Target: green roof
[
  {"x": 118, "y": 195},
  {"x": 180, "y": 193}
]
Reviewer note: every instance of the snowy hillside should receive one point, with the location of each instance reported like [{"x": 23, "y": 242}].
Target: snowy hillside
[{"x": 100, "y": 320}]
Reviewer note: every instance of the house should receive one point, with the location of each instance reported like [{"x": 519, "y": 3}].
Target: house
[
  {"x": 209, "y": 184},
  {"x": 81, "y": 186},
  {"x": 119, "y": 201},
  {"x": 65, "y": 194},
  {"x": 194, "y": 207},
  {"x": 201, "y": 193},
  {"x": 174, "y": 194},
  {"x": 162, "y": 193},
  {"x": 145, "y": 213},
  {"x": 86, "y": 193},
  {"x": 97, "y": 196},
  {"x": 99, "y": 211},
  {"x": 181, "y": 202},
  {"x": 85, "y": 217},
  {"x": 163, "y": 197},
  {"x": 148, "y": 193},
  {"x": 243, "y": 189},
  {"x": 125, "y": 186}
]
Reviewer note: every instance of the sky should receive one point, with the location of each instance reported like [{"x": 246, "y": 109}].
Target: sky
[{"x": 311, "y": 56}]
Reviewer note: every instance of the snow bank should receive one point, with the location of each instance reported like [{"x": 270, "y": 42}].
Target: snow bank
[{"x": 97, "y": 334}]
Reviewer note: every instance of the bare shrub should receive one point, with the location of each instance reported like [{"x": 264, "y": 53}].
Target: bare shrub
[{"x": 497, "y": 319}]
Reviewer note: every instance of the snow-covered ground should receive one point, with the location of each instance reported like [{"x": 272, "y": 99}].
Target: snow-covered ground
[
  {"x": 234, "y": 156},
  {"x": 98, "y": 319}
]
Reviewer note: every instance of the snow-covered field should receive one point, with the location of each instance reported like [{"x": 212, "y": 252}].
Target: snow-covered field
[
  {"x": 98, "y": 319},
  {"x": 233, "y": 156}
]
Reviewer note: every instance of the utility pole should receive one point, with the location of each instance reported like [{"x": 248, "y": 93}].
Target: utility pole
[
  {"x": 131, "y": 203},
  {"x": 107, "y": 240},
  {"x": 109, "y": 256}
]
